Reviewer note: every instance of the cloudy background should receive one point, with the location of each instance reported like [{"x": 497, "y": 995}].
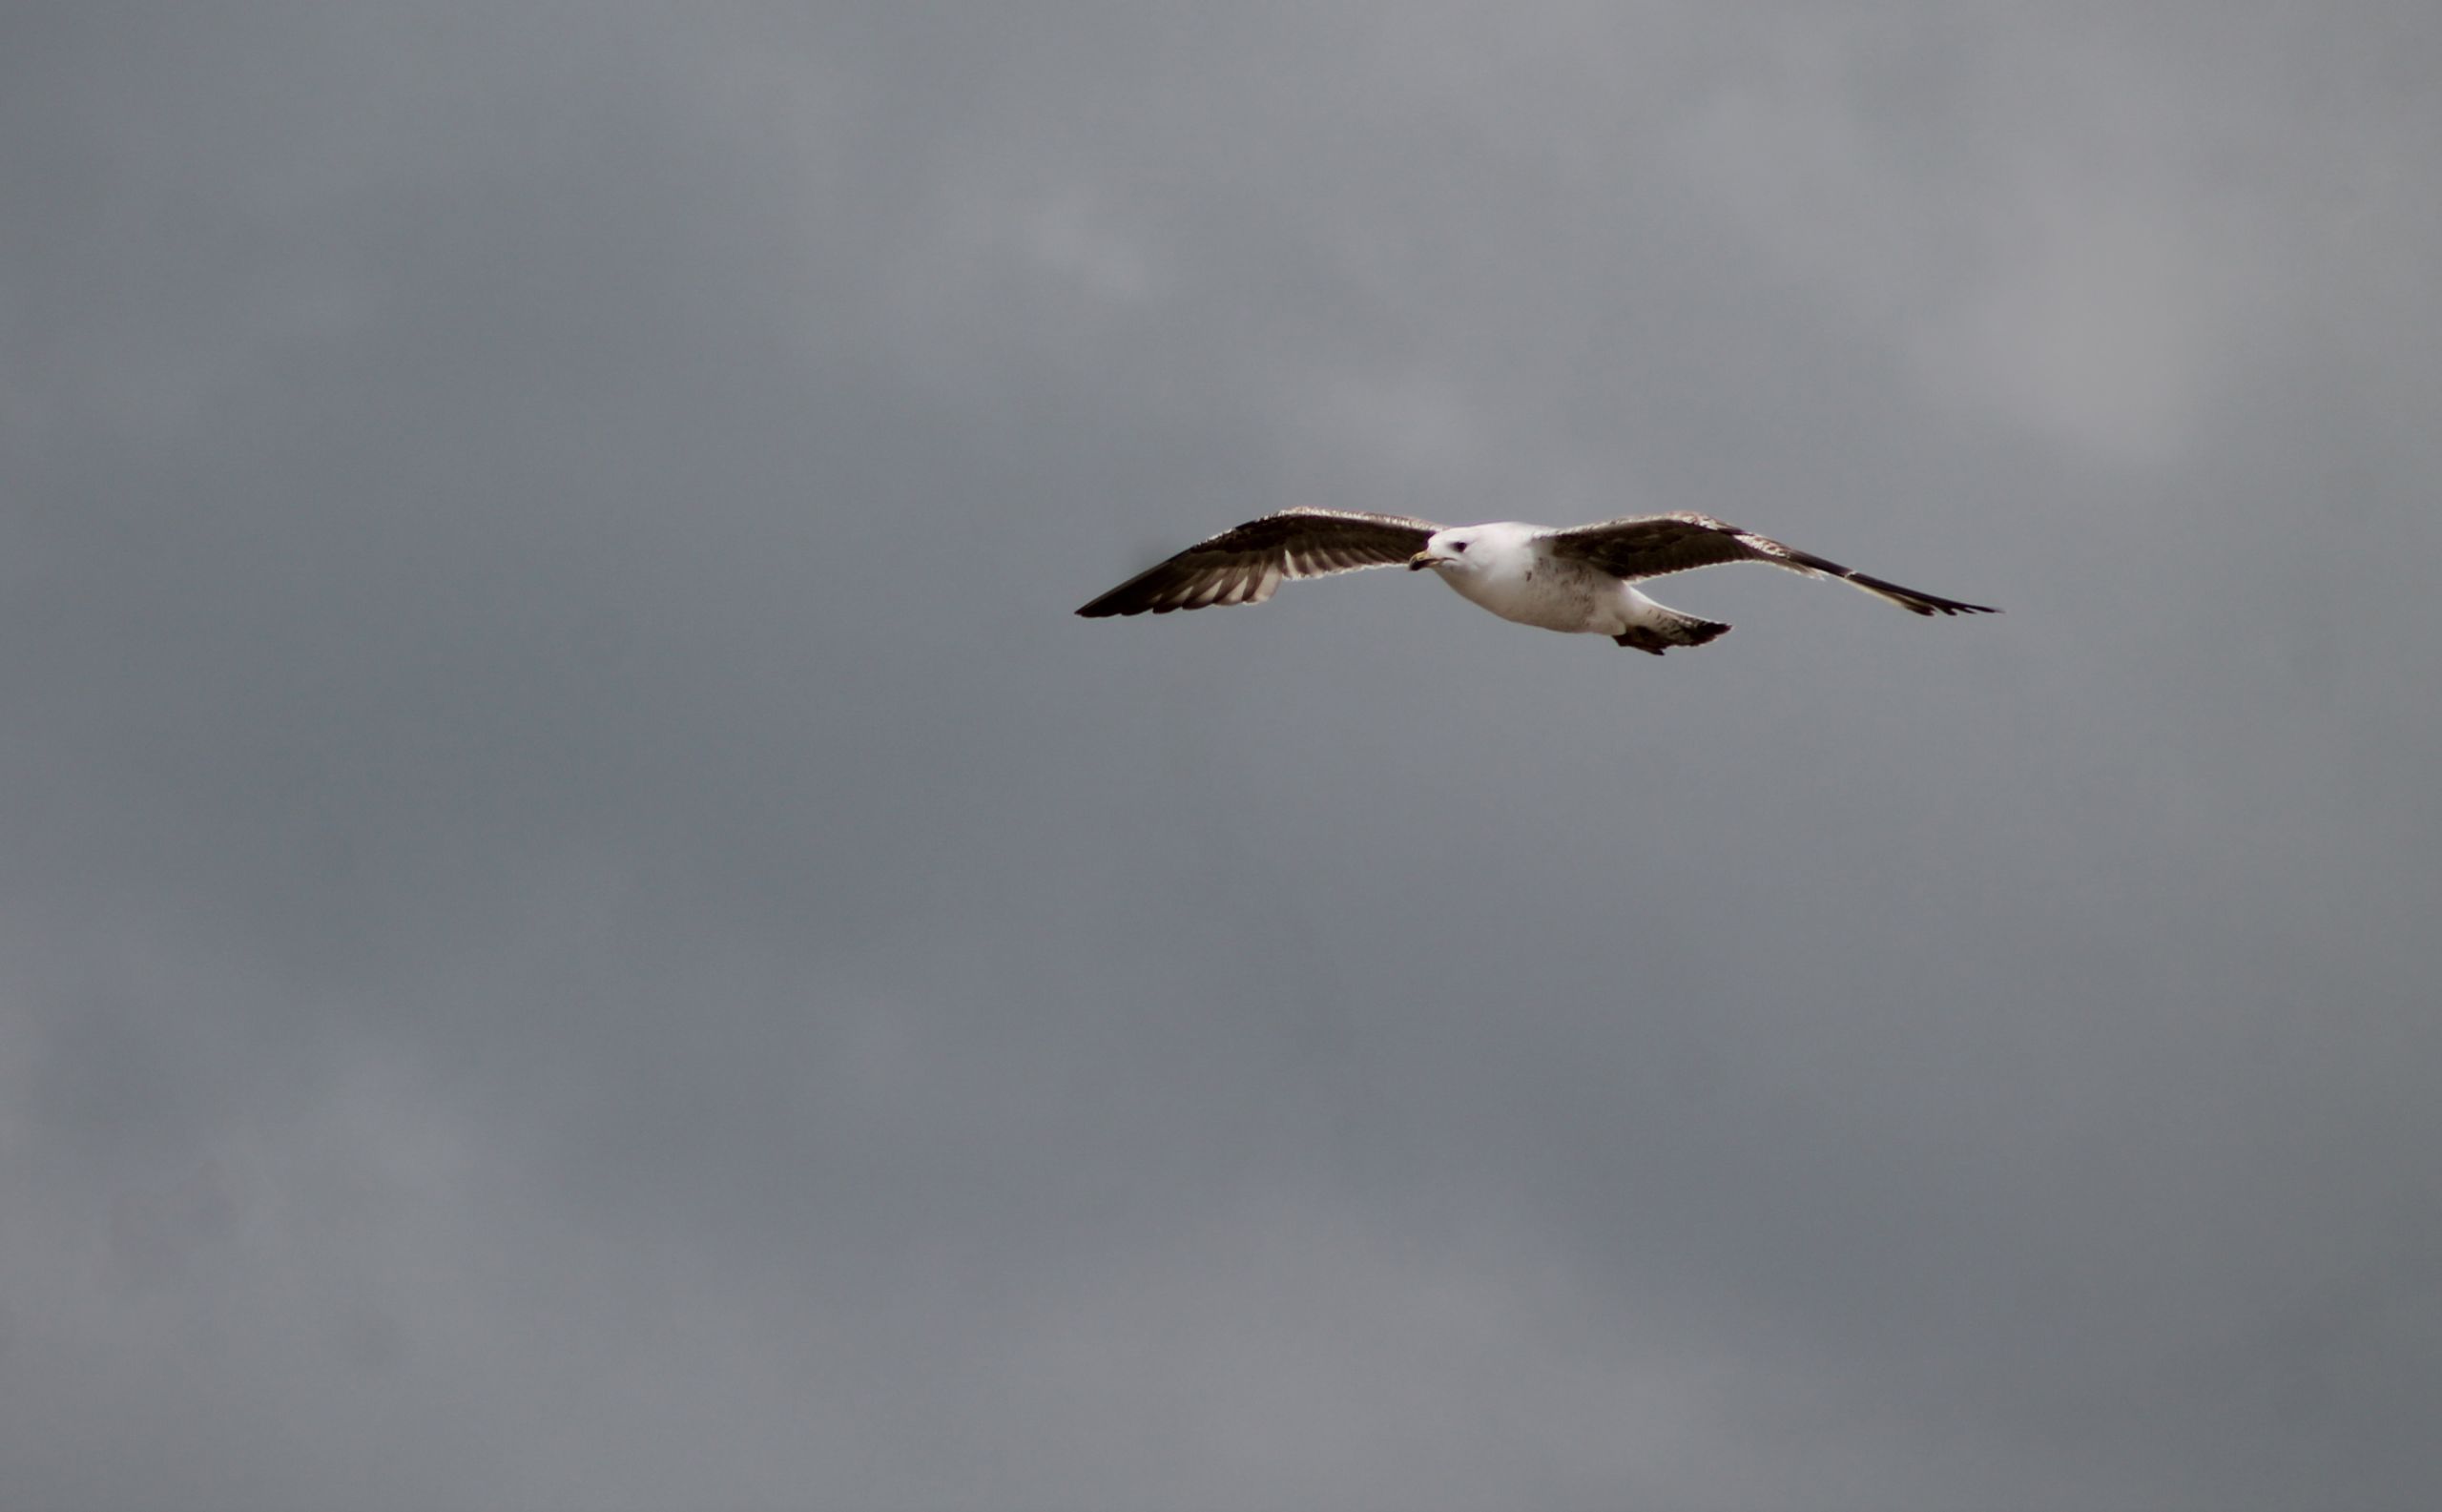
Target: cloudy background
[{"x": 583, "y": 928}]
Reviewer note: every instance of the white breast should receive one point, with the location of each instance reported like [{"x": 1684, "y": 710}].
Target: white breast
[{"x": 1508, "y": 572}]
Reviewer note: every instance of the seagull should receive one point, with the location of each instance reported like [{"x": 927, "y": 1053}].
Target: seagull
[{"x": 1578, "y": 580}]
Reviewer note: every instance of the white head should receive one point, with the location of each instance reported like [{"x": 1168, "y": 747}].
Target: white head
[{"x": 1446, "y": 551}]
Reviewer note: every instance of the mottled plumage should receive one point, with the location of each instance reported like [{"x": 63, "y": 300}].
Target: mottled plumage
[{"x": 1245, "y": 564}]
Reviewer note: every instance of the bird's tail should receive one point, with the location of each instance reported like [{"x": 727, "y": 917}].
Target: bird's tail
[{"x": 1666, "y": 628}]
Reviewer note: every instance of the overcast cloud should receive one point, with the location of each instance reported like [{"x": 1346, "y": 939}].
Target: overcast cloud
[{"x": 584, "y": 927}]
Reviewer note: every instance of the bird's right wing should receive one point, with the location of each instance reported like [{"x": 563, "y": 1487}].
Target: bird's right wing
[
  {"x": 1656, "y": 545},
  {"x": 1245, "y": 565}
]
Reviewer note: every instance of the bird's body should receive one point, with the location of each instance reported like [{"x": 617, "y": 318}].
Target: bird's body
[
  {"x": 1508, "y": 571},
  {"x": 1579, "y": 580}
]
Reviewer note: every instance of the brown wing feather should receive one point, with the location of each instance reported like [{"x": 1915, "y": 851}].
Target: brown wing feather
[
  {"x": 1657, "y": 545},
  {"x": 1245, "y": 564}
]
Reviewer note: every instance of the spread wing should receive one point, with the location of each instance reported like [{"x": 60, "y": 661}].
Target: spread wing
[
  {"x": 1245, "y": 565},
  {"x": 1654, "y": 545}
]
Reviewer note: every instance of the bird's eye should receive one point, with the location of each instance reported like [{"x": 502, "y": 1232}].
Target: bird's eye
[{"x": 1458, "y": 546}]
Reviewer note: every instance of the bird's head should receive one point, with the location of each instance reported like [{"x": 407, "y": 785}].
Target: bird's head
[{"x": 1443, "y": 550}]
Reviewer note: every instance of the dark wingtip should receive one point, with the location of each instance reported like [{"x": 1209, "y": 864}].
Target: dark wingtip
[{"x": 1930, "y": 607}]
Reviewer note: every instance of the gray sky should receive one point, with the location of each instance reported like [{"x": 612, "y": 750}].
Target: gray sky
[{"x": 583, "y": 928}]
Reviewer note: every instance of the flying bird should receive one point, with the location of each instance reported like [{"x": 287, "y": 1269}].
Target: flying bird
[{"x": 1579, "y": 580}]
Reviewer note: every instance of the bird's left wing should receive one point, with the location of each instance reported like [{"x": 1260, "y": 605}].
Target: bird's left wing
[
  {"x": 1244, "y": 565},
  {"x": 1656, "y": 545}
]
